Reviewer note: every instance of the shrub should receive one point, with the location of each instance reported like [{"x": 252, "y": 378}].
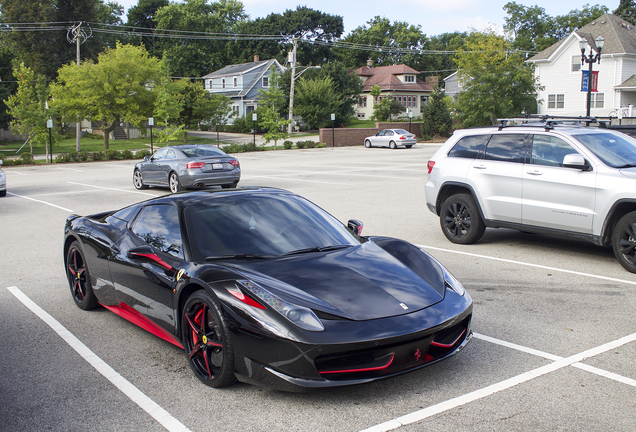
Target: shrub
[
  {"x": 142, "y": 154},
  {"x": 26, "y": 158},
  {"x": 112, "y": 154},
  {"x": 301, "y": 144},
  {"x": 61, "y": 158},
  {"x": 83, "y": 155},
  {"x": 98, "y": 156},
  {"x": 288, "y": 144},
  {"x": 204, "y": 127},
  {"x": 92, "y": 136},
  {"x": 72, "y": 157},
  {"x": 242, "y": 125},
  {"x": 127, "y": 154}
]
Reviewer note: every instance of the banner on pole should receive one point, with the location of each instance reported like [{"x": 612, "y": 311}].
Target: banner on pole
[{"x": 585, "y": 81}]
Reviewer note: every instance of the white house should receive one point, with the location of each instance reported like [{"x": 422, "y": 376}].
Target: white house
[
  {"x": 558, "y": 70},
  {"x": 241, "y": 83}
]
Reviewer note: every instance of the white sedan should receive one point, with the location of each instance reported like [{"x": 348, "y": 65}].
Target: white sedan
[
  {"x": 3, "y": 182},
  {"x": 391, "y": 138}
]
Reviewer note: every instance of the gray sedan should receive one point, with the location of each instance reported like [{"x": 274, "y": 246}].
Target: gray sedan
[
  {"x": 391, "y": 138},
  {"x": 187, "y": 166},
  {"x": 3, "y": 182}
]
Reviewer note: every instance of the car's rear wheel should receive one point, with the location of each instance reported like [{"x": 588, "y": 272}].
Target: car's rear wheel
[
  {"x": 460, "y": 219},
  {"x": 409, "y": 146},
  {"x": 207, "y": 341},
  {"x": 624, "y": 241},
  {"x": 231, "y": 185},
  {"x": 79, "y": 279},
  {"x": 175, "y": 185},
  {"x": 393, "y": 145},
  {"x": 367, "y": 144},
  {"x": 138, "y": 181},
  {"x": 3, "y": 193}
]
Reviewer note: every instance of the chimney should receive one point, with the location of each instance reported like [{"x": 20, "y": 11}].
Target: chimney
[
  {"x": 370, "y": 63},
  {"x": 256, "y": 58}
]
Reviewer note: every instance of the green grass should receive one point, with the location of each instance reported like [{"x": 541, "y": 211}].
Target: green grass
[
  {"x": 360, "y": 124},
  {"x": 67, "y": 145}
]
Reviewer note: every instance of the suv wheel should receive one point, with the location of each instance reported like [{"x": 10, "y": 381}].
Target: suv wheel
[
  {"x": 460, "y": 219},
  {"x": 624, "y": 241}
]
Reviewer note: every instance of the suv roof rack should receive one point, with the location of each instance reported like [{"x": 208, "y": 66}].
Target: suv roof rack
[{"x": 546, "y": 121}]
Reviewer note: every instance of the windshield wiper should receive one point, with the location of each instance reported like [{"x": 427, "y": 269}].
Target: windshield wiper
[
  {"x": 316, "y": 249},
  {"x": 627, "y": 166},
  {"x": 236, "y": 256}
]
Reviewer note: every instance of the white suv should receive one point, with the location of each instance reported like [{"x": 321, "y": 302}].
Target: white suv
[{"x": 545, "y": 177}]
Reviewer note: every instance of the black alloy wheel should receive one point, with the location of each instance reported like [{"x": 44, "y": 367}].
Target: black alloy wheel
[
  {"x": 624, "y": 241},
  {"x": 207, "y": 341},
  {"x": 393, "y": 145},
  {"x": 79, "y": 279},
  {"x": 175, "y": 185},
  {"x": 137, "y": 180},
  {"x": 367, "y": 144},
  {"x": 460, "y": 219}
]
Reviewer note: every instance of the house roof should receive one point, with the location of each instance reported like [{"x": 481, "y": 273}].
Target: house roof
[
  {"x": 386, "y": 78},
  {"x": 619, "y": 35},
  {"x": 628, "y": 84},
  {"x": 242, "y": 69},
  {"x": 237, "y": 69}
]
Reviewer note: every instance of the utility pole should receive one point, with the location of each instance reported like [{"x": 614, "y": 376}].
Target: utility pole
[
  {"x": 78, "y": 35},
  {"x": 291, "y": 89}
]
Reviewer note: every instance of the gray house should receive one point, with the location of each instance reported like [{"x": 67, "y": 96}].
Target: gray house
[{"x": 241, "y": 83}]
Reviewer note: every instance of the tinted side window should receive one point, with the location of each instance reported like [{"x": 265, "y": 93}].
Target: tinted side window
[
  {"x": 158, "y": 225},
  {"x": 549, "y": 150},
  {"x": 471, "y": 147},
  {"x": 506, "y": 148}
]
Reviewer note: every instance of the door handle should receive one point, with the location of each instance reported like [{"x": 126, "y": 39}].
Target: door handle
[
  {"x": 535, "y": 172},
  {"x": 479, "y": 166}
]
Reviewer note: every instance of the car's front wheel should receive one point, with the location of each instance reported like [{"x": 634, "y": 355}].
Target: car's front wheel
[
  {"x": 175, "y": 185},
  {"x": 207, "y": 341},
  {"x": 138, "y": 181},
  {"x": 624, "y": 241},
  {"x": 367, "y": 144},
  {"x": 460, "y": 219},
  {"x": 79, "y": 279}
]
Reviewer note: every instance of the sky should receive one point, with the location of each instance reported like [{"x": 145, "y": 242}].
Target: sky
[{"x": 435, "y": 16}]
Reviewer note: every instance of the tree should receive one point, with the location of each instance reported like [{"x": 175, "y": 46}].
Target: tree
[
  {"x": 119, "y": 87},
  {"x": 627, "y": 10},
  {"x": 313, "y": 25},
  {"x": 436, "y": 116},
  {"x": 315, "y": 101},
  {"x": 45, "y": 51},
  {"x": 144, "y": 15},
  {"x": 269, "y": 116},
  {"x": 28, "y": 106},
  {"x": 217, "y": 108},
  {"x": 575, "y": 19},
  {"x": 497, "y": 81},
  {"x": 7, "y": 87},
  {"x": 195, "y": 57},
  {"x": 169, "y": 102}
]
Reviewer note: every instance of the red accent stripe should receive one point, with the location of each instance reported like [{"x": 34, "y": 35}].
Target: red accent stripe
[
  {"x": 156, "y": 259},
  {"x": 130, "y": 314},
  {"x": 441, "y": 345},
  {"x": 362, "y": 370},
  {"x": 245, "y": 299}
]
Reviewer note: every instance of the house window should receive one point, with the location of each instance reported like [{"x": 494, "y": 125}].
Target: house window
[
  {"x": 360, "y": 115},
  {"x": 235, "y": 80},
  {"x": 265, "y": 81},
  {"x": 597, "y": 100},
  {"x": 414, "y": 102},
  {"x": 362, "y": 102},
  {"x": 556, "y": 101},
  {"x": 235, "y": 108},
  {"x": 208, "y": 84},
  {"x": 576, "y": 63},
  {"x": 223, "y": 83},
  {"x": 409, "y": 78},
  {"x": 409, "y": 102}
]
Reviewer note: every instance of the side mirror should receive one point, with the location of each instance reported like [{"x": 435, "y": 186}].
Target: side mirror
[
  {"x": 355, "y": 226},
  {"x": 146, "y": 158},
  {"x": 576, "y": 161},
  {"x": 1, "y": 162}
]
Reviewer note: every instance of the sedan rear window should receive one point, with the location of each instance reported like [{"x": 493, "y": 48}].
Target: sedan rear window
[{"x": 202, "y": 151}]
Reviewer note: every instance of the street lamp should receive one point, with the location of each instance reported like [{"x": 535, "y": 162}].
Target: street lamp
[
  {"x": 591, "y": 59},
  {"x": 333, "y": 130},
  {"x": 254, "y": 118},
  {"x": 294, "y": 77},
  {"x": 151, "y": 123},
  {"x": 410, "y": 118}
]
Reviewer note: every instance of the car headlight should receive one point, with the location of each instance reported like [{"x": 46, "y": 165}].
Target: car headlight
[
  {"x": 1, "y": 174},
  {"x": 453, "y": 283},
  {"x": 301, "y": 316}
]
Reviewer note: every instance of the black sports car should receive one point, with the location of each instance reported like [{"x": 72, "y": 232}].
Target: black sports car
[{"x": 263, "y": 286}]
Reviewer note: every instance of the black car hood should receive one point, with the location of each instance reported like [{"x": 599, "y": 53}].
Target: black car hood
[{"x": 361, "y": 282}]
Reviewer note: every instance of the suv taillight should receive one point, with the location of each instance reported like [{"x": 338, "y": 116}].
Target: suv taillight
[{"x": 430, "y": 165}]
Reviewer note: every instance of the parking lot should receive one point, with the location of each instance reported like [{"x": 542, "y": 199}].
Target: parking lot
[{"x": 554, "y": 319}]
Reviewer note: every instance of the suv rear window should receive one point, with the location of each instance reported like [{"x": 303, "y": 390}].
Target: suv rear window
[
  {"x": 506, "y": 148},
  {"x": 471, "y": 147}
]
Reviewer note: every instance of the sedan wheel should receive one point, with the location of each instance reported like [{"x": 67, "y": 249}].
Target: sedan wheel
[
  {"x": 206, "y": 340},
  {"x": 137, "y": 181},
  {"x": 460, "y": 219},
  {"x": 175, "y": 186},
  {"x": 79, "y": 279},
  {"x": 392, "y": 145},
  {"x": 367, "y": 144},
  {"x": 624, "y": 242}
]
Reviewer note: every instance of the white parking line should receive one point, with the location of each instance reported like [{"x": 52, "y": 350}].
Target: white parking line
[
  {"x": 298, "y": 180},
  {"x": 113, "y": 189},
  {"x": 40, "y": 201},
  {"x": 497, "y": 387},
  {"x": 147, "y": 404},
  {"x": 70, "y": 169},
  {"x": 531, "y": 265}
]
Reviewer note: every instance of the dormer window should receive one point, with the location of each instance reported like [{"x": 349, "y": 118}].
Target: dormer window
[
  {"x": 409, "y": 78},
  {"x": 223, "y": 83},
  {"x": 235, "y": 80},
  {"x": 265, "y": 81}
]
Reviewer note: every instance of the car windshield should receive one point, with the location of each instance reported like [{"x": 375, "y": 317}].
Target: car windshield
[
  {"x": 202, "y": 151},
  {"x": 614, "y": 150},
  {"x": 257, "y": 225}
]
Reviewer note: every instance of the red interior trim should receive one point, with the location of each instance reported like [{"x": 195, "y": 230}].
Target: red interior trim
[
  {"x": 441, "y": 345},
  {"x": 130, "y": 314},
  {"x": 363, "y": 369}
]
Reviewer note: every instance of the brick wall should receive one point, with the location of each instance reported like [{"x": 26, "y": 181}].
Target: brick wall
[{"x": 345, "y": 137}]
